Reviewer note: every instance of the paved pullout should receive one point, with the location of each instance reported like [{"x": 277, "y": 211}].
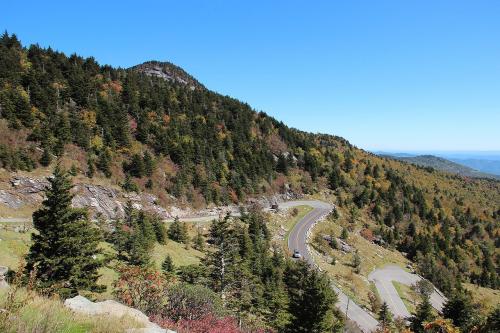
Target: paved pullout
[
  {"x": 298, "y": 241},
  {"x": 383, "y": 278}
]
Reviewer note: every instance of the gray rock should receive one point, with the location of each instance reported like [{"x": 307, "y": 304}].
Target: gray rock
[
  {"x": 10, "y": 200},
  {"x": 3, "y": 272},
  {"x": 80, "y": 304}
]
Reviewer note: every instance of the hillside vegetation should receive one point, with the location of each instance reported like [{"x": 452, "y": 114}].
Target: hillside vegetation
[
  {"x": 154, "y": 128},
  {"x": 443, "y": 164}
]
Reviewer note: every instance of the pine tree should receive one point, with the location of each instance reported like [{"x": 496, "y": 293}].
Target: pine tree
[
  {"x": 148, "y": 164},
  {"x": 282, "y": 165},
  {"x": 221, "y": 264},
  {"x": 423, "y": 315},
  {"x": 312, "y": 300},
  {"x": 335, "y": 179},
  {"x": 46, "y": 158},
  {"x": 345, "y": 234},
  {"x": 356, "y": 262},
  {"x": 385, "y": 316},
  {"x": 64, "y": 250},
  {"x": 178, "y": 231},
  {"x": 199, "y": 241},
  {"x": 460, "y": 309},
  {"x": 168, "y": 265}
]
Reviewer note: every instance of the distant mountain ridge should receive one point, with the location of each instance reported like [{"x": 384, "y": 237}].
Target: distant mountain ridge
[{"x": 439, "y": 163}]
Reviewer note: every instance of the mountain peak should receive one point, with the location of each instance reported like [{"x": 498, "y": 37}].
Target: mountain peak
[{"x": 167, "y": 71}]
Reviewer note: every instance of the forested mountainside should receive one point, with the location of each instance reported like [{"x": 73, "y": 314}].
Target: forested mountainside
[
  {"x": 154, "y": 128},
  {"x": 442, "y": 164}
]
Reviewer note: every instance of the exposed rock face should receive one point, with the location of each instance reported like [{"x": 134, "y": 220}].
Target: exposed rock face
[
  {"x": 80, "y": 304},
  {"x": 10, "y": 200},
  {"x": 168, "y": 72},
  {"x": 101, "y": 200},
  {"x": 109, "y": 202}
]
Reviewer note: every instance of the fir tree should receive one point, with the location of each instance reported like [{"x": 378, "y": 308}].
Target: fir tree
[
  {"x": 312, "y": 300},
  {"x": 345, "y": 234},
  {"x": 199, "y": 241},
  {"x": 385, "y": 316},
  {"x": 148, "y": 164},
  {"x": 423, "y": 315},
  {"x": 178, "y": 231},
  {"x": 64, "y": 250},
  {"x": 356, "y": 262},
  {"x": 462, "y": 312},
  {"x": 168, "y": 265},
  {"x": 282, "y": 165},
  {"x": 46, "y": 158}
]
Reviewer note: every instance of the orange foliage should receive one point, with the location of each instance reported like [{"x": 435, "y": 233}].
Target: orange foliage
[{"x": 366, "y": 234}]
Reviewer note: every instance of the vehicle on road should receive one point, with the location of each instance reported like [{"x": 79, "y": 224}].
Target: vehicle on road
[{"x": 296, "y": 254}]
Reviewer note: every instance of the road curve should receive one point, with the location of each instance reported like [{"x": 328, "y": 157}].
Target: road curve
[
  {"x": 383, "y": 278},
  {"x": 298, "y": 240}
]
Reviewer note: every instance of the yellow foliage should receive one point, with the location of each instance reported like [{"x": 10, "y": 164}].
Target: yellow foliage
[
  {"x": 22, "y": 93},
  {"x": 186, "y": 139},
  {"x": 96, "y": 142},
  {"x": 221, "y": 135},
  {"x": 25, "y": 63},
  {"x": 201, "y": 119},
  {"x": 89, "y": 118},
  {"x": 152, "y": 115},
  {"x": 442, "y": 326}
]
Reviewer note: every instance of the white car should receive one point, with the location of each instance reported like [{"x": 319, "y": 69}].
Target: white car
[{"x": 296, "y": 254}]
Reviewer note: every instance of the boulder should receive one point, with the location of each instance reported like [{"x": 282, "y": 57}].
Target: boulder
[{"x": 80, "y": 304}]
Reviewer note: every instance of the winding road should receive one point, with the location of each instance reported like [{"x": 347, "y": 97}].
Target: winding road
[
  {"x": 298, "y": 240},
  {"x": 381, "y": 277}
]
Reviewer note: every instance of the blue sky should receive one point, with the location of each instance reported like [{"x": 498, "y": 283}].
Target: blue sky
[{"x": 386, "y": 75}]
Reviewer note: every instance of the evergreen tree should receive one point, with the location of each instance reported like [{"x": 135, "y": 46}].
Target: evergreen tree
[
  {"x": 222, "y": 263},
  {"x": 104, "y": 162},
  {"x": 148, "y": 164},
  {"x": 345, "y": 234},
  {"x": 312, "y": 300},
  {"x": 492, "y": 324},
  {"x": 423, "y": 315},
  {"x": 199, "y": 241},
  {"x": 64, "y": 250},
  {"x": 356, "y": 262},
  {"x": 46, "y": 158},
  {"x": 168, "y": 265},
  {"x": 385, "y": 316},
  {"x": 335, "y": 179},
  {"x": 462, "y": 312},
  {"x": 282, "y": 165},
  {"x": 178, "y": 231}
]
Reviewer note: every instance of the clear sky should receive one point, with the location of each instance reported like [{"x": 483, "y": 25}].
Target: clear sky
[{"x": 386, "y": 75}]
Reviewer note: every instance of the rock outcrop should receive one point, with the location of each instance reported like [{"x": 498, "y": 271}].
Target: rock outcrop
[
  {"x": 3, "y": 272},
  {"x": 105, "y": 201},
  {"x": 80, "y": 304}
]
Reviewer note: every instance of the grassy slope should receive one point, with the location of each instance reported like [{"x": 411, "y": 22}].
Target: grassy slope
[
  {"x": 408, "y": 296},
  {"x": 373, "y": 256},
  {"x": 14, "y": 245},
  {"x": 32, "y": 313},
  {"x": 282, "y": 223}
]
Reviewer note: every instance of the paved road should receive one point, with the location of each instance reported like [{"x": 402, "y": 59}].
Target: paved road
[
  {"x": 383, "y": 279},
  {"x": 15, "y": 220},
  {"x": 298, "y": 240}
]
